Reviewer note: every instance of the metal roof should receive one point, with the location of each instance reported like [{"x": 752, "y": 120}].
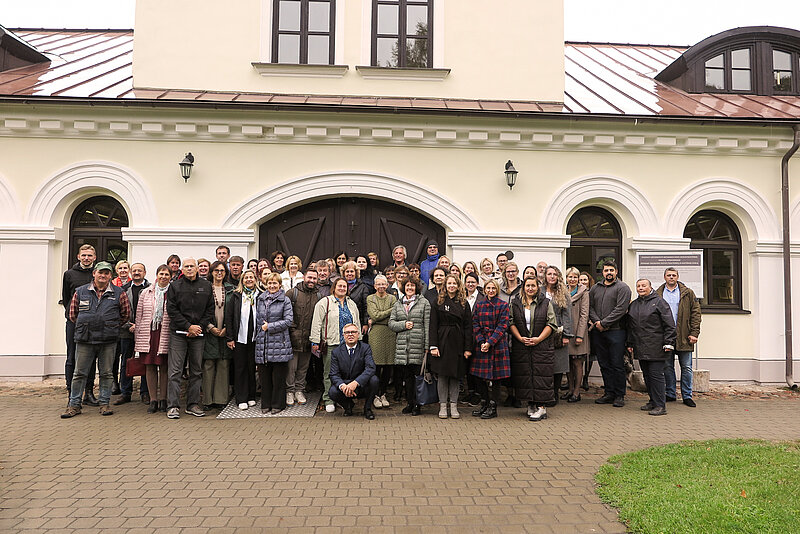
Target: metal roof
[{"x": 600, "y": 78}]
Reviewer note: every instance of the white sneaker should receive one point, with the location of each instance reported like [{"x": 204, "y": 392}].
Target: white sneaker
[
  {"x": 539, "y": 414},
  {"x": 384, "y": 402},
  {"x": 377, "y": 402},
  {"x": 251, "y": 403},
  {"x": 442, "y": 410},
  {"x": 289, "y": 398},
  {"x": 330, "y": 408},
  {"x": 301, "y": 398},
  {"x": 454, "y": 411},
  {"x": 243, "y": 406},
  {"x": 531, "y": 410}
]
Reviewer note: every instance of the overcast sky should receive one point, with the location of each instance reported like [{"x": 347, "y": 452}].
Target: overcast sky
[{"x": 677, "y": 22}]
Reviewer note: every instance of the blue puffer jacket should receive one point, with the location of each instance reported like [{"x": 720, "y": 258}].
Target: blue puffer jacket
[{"x": 274, "y": 345}]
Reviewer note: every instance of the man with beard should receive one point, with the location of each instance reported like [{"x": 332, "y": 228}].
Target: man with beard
[{"x": 304, "y": 297}]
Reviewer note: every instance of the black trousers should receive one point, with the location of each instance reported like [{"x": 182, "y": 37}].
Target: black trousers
[
  {"x": 489, "y": 390},
  {"x": 384, "y": 374},
  {"x": 409, "y": 372},
  {"x": 244, "y": 369},
  {"x": 273, "y": 384},
  {"x": 653, "y": 372},
  {"x": 367, "y": 391}
]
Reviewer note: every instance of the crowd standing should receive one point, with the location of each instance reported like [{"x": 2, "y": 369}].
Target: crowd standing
[{"x": 276, "y": 329}]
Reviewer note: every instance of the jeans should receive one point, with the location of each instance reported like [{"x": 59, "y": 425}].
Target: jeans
[
  {"x": 685, "y": 361},
  {"x": 367, "y": 391},
  {"x": 126, "y": 382},
  {"x": 69, "y": 366},
  {"x": 610, "y": 349},
  {"x": 85, "y": 355},
  {"x": 652, "y": 371},
  {"x": 182, "y": 348}
]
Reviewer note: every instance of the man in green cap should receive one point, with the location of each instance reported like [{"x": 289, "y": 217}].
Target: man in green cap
[{"x": 98, "y": 309}]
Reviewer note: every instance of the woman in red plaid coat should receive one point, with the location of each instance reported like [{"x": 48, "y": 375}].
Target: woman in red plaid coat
[{"x": 490, "y": 359}]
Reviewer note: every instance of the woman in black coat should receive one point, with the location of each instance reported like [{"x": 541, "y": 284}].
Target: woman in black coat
[
  {"x": 451, "y": 335},
  {"x": 532, "y": 323},
  {"x": 651, "y": 338}
]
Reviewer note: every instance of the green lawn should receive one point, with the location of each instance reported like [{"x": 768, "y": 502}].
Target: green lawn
[{"x": 720, "y": 486}]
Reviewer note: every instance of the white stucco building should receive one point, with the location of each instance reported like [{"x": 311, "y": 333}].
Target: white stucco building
[{"x": 321, "y": 125}]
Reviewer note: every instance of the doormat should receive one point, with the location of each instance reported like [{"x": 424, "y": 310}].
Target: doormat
[{"x": 308, "y": 409}]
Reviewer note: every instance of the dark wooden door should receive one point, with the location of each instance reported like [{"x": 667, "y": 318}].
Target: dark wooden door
[
  {"x": 354, "y": 225},
  {"x": 98, "y": 221}
]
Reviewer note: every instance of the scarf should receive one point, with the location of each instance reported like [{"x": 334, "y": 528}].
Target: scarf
[
  {"x": 408, "y": 302},
  {"x": 249, "y": 295},
  {"x": 158, "y": 306}
]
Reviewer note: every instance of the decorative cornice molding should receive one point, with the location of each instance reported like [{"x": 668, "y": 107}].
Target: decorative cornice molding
[
  {"x": 515, "y": 242},
  {"x": 774, "y": 248},
  {"x": 28, "y": 234},
  {"x": 290, "y": 70},
  {"x": 212, "y": 236},
  {"x": 666, "y": 244},
  {"x": 298, "y": 127}
]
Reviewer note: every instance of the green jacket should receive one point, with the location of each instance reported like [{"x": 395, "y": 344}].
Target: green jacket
[
  {"x": 689, "y": 317},
  {"x": 411, "y": 344},
  {"x": 216, "y": 348}
]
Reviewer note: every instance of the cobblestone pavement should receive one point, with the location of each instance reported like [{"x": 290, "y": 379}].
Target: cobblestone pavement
[{"x": 135, "y": 472}]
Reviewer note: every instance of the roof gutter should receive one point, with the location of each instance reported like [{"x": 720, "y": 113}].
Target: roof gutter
[
  {"x": 389, "y": 110},
  {"x": 787, "y": 258}
]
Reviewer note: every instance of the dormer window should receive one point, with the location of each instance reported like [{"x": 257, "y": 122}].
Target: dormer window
[{"x": 756, "y": 60}]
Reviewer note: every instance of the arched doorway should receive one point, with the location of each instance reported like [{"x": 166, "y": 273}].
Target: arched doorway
[
  {"x": 356, "y": 225},
  {"x": 595, "y": 237},
  {"x": 98, "y": 221}
]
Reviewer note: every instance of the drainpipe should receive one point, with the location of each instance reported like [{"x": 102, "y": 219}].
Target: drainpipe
[{"x": 787, "y": 258}]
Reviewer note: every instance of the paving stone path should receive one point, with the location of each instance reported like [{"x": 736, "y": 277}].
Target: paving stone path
[{"x": 141, "y": 473}]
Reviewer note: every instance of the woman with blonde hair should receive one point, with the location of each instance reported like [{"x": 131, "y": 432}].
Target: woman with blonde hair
[
  {"x": 556, "y": 290},
  {"x": 578, "y": 345},
  {"x": 123, "y": 269},
  {"x": 204, "y": 269},
  {"x": 240, "y": 334},
  {"x": 451, "y": 342},
  {"x": 274, "y": 315},
  {"x": 292, "y": 275},
  {"x": 487, "y": 271}
]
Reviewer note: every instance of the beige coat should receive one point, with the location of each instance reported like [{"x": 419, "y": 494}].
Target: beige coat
[{"x": 580, "y": 321}]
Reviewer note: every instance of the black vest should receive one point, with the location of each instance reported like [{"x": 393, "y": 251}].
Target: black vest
[{"x": 98, "y": 320}]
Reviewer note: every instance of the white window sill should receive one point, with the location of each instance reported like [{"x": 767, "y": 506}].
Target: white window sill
[
  {"x": 402, "y": 73},
  {"x": 300, "y": 71}
]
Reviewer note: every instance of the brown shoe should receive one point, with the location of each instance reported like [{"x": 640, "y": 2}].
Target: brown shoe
[
  {"x": 71, "y": 411},
  {"x": 125, "y": 399},
  {"x": 105, "y": 409}
]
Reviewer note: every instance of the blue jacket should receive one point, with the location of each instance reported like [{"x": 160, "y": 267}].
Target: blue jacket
[
  {"x": 99, "y": 320},
  {"x": 425, "y": 268},
  {"x": 344, "y": 369},
  {"x": 274, "y": 345}
]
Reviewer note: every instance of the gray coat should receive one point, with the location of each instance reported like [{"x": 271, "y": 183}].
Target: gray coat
[
  {"x": 411, "y": 344},
  {"x": 273, "y": 345}
]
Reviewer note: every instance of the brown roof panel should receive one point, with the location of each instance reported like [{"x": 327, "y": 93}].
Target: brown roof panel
[{"x": 600, "y": 78}]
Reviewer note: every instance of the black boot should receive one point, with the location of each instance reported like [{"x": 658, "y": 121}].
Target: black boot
[
  {"x": 153, "y": 407},
  {"x": 89, "y": 399},
  {"x": 481, "y": 409},
  {"x": 162, "y": 406},
  {"x": 491, "y": 411},
  {"x": 115, "y": 390}
]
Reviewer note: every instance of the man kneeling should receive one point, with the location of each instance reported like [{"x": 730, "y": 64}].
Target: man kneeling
[{"x": 353, "y": 373}]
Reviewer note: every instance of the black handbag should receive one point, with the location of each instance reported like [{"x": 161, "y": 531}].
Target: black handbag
[{"x": 426, "y": 384}]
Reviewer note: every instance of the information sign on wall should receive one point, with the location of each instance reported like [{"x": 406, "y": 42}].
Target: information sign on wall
[{"x": 651, "y": 265}]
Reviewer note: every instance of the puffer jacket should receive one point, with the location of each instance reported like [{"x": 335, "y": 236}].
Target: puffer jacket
[
  {"x": 273, "y": 345},
  {"x": 650, "y": 328},
  {"x": 532, "y": 366},
  {"x": 689, "y": 317},
  {"x": 411, "y": 344},
  {"x": 303, "y": 302},
  {"x": 144, "y": 320}
]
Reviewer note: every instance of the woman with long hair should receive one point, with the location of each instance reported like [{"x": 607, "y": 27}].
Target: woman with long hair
[
  {"x": 252, "y": 265},
  {"x": 174, "y": 264},
  {"x": 469, "y": 267},
  {"x": 366, "y": 273},
  {"x": 533, "y": 321},
  {"x": 340, "y": 259},
  {"x": 278, "y": 261},
  {"x": 579, "y": 344},
  {"x": 490, "y": 360},
  {"x": 151, "y": 337},
  {"x": 382, "y": 339},
  {"x": 438, "y": 275},
  {"x": 451, "y": 343},
  {"x": 240, "y": 334},
  {"x": 556, "y": 291},
  {"x": 216, "y": 354}
]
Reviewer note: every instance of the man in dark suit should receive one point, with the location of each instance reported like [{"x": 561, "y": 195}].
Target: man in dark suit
[{"x": 353, "y": 373}]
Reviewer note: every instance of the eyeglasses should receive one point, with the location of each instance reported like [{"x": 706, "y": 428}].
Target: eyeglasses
[
  {"x": 219, "y": 271},
  {"x": 350, "y": 333}
]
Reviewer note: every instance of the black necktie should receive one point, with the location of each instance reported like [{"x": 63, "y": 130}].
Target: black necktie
[{"x": 351, "y": 352}]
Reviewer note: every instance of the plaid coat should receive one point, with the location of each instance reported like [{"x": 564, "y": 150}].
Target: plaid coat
[{"x": 490, "y": 322}]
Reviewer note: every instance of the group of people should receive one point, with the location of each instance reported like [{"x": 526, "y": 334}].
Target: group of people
[{"x": 273, "y": 327}]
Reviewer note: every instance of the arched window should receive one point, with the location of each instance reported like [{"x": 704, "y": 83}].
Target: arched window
[
  {"x": 98, "y": 221},
  {"x": 718, "y": 237},
  {"x": 596, "y": 237}
]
